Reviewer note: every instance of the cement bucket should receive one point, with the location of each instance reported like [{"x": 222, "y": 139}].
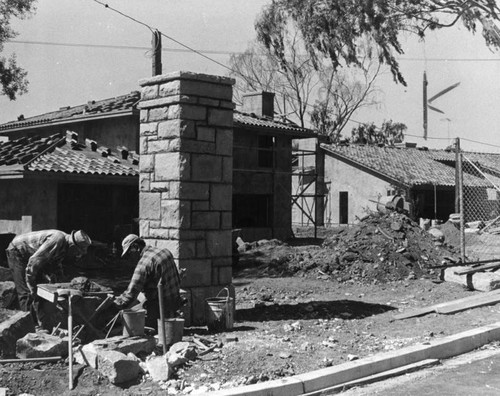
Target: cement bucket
[
  {"x": 220, "y": 311},
  {"x": 133, "y": 322},
  {"x": 174, "y": 330}
]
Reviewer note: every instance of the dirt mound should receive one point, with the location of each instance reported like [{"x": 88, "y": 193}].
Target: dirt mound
[{"x": 381, "y": 248}]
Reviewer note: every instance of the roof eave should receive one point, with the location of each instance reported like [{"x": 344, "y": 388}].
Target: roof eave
[
  {"x": 72, "y": 120},
  {"x": 306, "y": 134}
]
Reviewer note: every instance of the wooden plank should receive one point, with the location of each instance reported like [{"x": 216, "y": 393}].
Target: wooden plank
[
  {"x": 478, "y": 269},
  {"x": 460, "y": 302},
  {"x": 488, "y": 299},
  {"x": 376, "y": 377}
]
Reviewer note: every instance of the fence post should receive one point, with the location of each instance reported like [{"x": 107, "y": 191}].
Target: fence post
[{"x": 460, "y": 178}]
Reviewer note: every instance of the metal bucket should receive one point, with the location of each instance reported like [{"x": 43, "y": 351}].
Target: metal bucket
[
  {"x": 133, "y": 322},
  {"x": 220, "y": 312},
  {"x": 174, "y": 330}
]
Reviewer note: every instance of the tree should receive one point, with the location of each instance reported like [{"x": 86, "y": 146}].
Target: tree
[
  {"x": 388, "y": 134},
  {"x": 332, "y": 28},
  {"x": 293, "y": 82},
  {"x": 12, "y": 77},
  {"x": 343, "y": 92}
]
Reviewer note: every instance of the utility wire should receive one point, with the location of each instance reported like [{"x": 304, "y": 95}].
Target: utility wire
[{"x": 117, "y": 47}]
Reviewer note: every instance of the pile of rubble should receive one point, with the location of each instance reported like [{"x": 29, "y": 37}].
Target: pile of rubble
[{"x": 380, "y": 248}]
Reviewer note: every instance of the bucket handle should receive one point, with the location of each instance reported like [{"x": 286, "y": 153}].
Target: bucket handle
[{"x": 224, "y": 290}]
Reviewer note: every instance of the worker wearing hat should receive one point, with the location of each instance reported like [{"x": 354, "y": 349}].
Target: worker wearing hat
[
  {"x": 34, "y": 256},
  {"x": 153, "y": 265}
]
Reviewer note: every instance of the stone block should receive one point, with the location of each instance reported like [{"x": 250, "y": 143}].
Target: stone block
[
  {"x": 144, "y": 228},
  {"x": 14, "y": 326},
  {"x": 147, "y": 163},
  {"x": 186, "y": 112},
  {"x": 221, "y": 197},
  {"x": 206, "y": 89},
  {"x": 5, "y": 274},
  {"x": 220, "y": 117},
  {"x": 37, "y": 345},
  {"x": 219, "y": 243},
  {"x": 171, "y": 166},
  {"x": 143, "y": 116},
  {"x": 227, "y": 169},
  {"x": 167, "y": 101},
  {"x": 187, "y": 250},
  {"x": 201, "y": 248},
  {"x": 225, "y": 275},
  {"x": 143, "y": 145},
  {"x": 159, "y": 233},
  {"x": 206, "y": 134},
  {"x": 209, "y": 102},
  {"x": 200, "y": 205},
  {"x": 170, "y": 88},
  {"x": 149, "y": 92},
  {"x": 224, "y": 142},
  {"x": 194, "y": 191},
  {"x": 175, "y": 213},
  {"x": 144, "y": 181},
  {"x": 187, "y": 76},
  {"x": 148, "y": 129},
  {"x": 8, "y": 295},
  {"x": 117, "y": 367},
  {"x": 150, "y": 205},
  {"x": 205, "y": 220},
  {"x": 226, "y": 220},
  {"x": 199, "y": 273},
  {"x": 164, "y": 145},
  {"x": 177, "y": 128},
  {"x": 206, "y": 168},
  {"x": 160, "y": 187},
  {"x": 198, "y": 147},
  {"x": 88, "y": 354},
  {"x": 169, "y": 244},
  {"x": 158, "y": 114},
  {"x": 158, "y": 368}
]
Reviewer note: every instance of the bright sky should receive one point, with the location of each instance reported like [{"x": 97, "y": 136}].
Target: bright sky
[{"x": 70, "y": 75}]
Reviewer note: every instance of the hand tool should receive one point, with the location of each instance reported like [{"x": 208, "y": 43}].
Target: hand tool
[
  {"x": 162, "y": 316},
  {"x": 62, "y": 294}
]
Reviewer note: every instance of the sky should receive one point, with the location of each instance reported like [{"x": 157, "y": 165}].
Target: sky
[{"x": 93, "y": 68}]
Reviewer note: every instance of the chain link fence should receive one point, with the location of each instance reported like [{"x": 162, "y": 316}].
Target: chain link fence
[{"x": 479, "y": 204}]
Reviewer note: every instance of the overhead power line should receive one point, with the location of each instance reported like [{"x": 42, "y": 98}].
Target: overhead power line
[{"x": 109, "y": 46}]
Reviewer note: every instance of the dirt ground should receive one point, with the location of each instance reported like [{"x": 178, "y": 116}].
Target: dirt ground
[{"x": 302, "y": 306}]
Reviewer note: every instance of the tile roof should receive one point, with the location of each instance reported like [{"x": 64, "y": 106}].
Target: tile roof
[
  {"x": 413, "y": 167},
  {"x": 59, "y": 153},
  {"x": 129, "y": 102},
  {"x": 252, "y": 120},
  {"x": 92, "y": 108}
]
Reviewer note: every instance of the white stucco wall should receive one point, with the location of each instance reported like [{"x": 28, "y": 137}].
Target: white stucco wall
[{"x": 362, "y": 189}]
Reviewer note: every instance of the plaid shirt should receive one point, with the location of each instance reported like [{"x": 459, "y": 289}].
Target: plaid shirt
[
  {"x": 154, "y": 264},
  {"x": 38, "y": 249}
]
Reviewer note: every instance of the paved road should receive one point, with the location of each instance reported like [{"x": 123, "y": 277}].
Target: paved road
[{"x": 473, "y": 374}]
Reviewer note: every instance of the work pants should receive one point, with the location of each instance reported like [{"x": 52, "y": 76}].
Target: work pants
[{"x": 18, "y": 268}]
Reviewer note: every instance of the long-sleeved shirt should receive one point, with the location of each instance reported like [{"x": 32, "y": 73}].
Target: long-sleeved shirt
[
  {"x": 38, "y": 249},
  {"x": 154, "y": 264}
]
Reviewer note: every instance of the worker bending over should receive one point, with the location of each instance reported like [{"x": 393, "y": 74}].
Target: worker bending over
[
  {"x": 36, "y": 257},
  {"x": 154, "y": 265}
]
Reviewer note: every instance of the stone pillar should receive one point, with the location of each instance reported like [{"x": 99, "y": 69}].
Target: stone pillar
[{"x": 185, "y": 200}]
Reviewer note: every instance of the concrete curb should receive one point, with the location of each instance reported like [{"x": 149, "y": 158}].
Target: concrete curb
[{"x": 328, "y": 377}]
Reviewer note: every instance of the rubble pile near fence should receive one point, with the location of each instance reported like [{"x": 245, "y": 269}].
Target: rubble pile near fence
[{"x": 380, "y": 248}]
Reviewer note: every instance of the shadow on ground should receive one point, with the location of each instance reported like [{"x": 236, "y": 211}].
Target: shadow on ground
[{"x": 344, "y": 309}]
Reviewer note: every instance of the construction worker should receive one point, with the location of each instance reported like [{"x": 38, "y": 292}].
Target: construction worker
[
  {"x": 153, "y": 265},
  {"x": 36, "y": 257}
]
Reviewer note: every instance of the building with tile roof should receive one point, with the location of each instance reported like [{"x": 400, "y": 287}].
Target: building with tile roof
[
  {"x": 359, "y": 177},
  {"x": 59, "y": 182},
  {"x": 262, "y": 153}
]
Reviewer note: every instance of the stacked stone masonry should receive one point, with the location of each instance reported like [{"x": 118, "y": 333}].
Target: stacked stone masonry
[{"x": 186, "y": 141}]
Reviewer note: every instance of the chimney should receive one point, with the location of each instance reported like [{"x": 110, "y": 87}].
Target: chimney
[{"x": 259, "y": 103}]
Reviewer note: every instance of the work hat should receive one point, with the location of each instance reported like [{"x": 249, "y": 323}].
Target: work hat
[
  {"x": 81, "y": 240},
  {"x": 128, "y": 241}
]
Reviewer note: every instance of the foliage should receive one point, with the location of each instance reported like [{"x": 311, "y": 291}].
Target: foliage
[
  {"x": 257, "y": 69},
  {"x": 343, "y": 92},
  {"x": 389, "y": 133},
  {"x": 332, "y": 28},
  {"x": 12, "y": 77}
]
